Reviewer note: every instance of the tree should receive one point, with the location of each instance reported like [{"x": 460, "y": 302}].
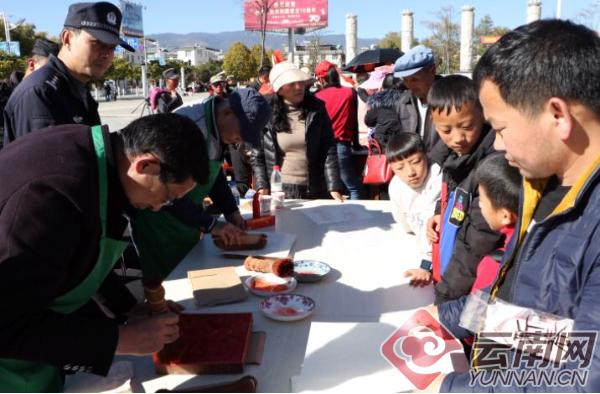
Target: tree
[
  {"x": 315, "y": 55},
  {"x": 10, "y": 63},
  {"x": 590, "y": 16},
  {"x": 262, "y": 9},
  {"x": 445, "y": 40},
  {"x": 154, "y": 70},
  {"x": 119, "y": 69},
  {"x": 391, "y": 40},
  {"x": 122, "y": 70},
  {"x": 257, "y": 52},
  {"x": 238, "y": 61},
  {"x": 486, "y": 27},
  {"x": 25, "y": 34},
  {"x": 203, "y": 72}
]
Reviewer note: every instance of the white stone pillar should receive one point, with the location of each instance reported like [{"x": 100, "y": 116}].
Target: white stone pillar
[
  {"x": 466, "y": 38},
  {"x": 182, "y": 85},
  {"x": 291, "y": 46},
  {"x": 534, "y": 11},
  {"x": 351, "y": 37},
  {"x": 407, "y": 30}
]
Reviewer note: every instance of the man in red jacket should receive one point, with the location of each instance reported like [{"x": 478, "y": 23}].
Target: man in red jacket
[{"x": 341, "y": 104}]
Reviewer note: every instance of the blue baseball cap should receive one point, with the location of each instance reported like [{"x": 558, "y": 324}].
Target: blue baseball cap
[
  {"x": 170, "y": 73},
  {"x": 413, "y": 61},
  {"x": 253, "y": 112}
]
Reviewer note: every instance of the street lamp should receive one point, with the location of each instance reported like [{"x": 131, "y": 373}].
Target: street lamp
[{"x": 145, "y": 65}]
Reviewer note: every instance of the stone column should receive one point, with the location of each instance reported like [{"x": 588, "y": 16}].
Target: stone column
[
  {"x": 291, "y": 46},
  {"x": 534, "y": 11},
  {"x": 466, "y": 38},
  {"x": 407, "y": 30},
  {"x": 351, "y": 37}
]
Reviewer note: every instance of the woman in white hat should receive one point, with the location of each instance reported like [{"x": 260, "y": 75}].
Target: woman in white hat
[{"x": 298, "y": 139}]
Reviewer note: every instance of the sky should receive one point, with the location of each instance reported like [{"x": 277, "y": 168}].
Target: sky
[{"x": 375, "y": 17}]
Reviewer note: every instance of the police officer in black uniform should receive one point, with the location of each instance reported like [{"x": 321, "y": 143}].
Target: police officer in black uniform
[
  {"x": 57, "y": 93},
  {"x": 41, "y": 51},
  {"x": 170, "y": 100}
]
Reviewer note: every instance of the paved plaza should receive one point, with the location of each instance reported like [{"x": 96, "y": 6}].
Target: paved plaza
[{"x": 117, "y": 114}]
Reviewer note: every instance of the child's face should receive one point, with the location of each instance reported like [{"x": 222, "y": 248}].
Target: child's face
[
  {"x": 496, "y": 218},
  {"x": 411, "y": 170},
  {"x": 460, "y": 130}
]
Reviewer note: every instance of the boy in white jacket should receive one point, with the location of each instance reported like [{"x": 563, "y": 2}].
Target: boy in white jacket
[{"x": 414, "y": 190}]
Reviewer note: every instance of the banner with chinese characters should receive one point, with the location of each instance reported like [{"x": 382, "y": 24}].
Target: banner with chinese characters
[{"x": 281, "y": 15}]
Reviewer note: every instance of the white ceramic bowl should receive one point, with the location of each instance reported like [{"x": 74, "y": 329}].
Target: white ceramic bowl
[{"x": 310, "y": 270}]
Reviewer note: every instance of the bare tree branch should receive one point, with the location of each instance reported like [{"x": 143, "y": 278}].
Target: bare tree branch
[
  {"x": 445, "y": 39},
  {"x": 590, "y": 16}
]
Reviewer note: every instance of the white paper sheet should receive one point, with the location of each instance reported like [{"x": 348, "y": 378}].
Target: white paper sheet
[
  {"x": 345, "y": 212},
  {"x": 347, "y": 357}
]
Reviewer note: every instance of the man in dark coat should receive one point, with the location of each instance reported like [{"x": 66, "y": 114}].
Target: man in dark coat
[
  {"x": 65, "y": 198},
  {"x": 418, "y": 72},
  {"x": 169, "y": 100}
]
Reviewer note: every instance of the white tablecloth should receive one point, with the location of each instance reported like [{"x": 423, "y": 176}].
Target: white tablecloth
[{"x": 368, "y": 257}]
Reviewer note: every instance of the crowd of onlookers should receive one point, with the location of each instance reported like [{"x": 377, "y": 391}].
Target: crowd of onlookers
[{"x": 496, "y": 176}]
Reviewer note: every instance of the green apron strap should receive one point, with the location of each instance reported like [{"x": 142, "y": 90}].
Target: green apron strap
[
  {"x": 162, "y": 240},
  {"x": 209, "y": 114},
  {"x": 102, "y": 175},
  {"x": 26, "y": 376},
  {"x": 110, "y": 249}
]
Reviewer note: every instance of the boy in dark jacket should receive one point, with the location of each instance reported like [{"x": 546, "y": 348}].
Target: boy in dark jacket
[
  {"x": 499, "y": 189},
  {"x": 463, "y": 237}
]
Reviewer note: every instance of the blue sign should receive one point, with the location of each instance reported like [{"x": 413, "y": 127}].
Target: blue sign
[
  {"x": 132, "y": 24},
  {"x": 14, "y": 48},
  {"x": 135, "y": 43}
]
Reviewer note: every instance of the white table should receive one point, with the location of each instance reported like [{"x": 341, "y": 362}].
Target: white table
[{"x": 366, "y": 284}]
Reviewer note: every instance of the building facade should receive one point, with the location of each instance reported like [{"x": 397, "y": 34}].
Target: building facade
[
  {"x": 309, "y": 54},
  {"x": 197, "y": 54}
]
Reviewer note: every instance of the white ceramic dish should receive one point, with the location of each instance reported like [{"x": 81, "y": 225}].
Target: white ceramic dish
[
  {"x": 310, "y": 270},
  {"x": 287, "y": 307},
  {"x": 287, "y": 284}
]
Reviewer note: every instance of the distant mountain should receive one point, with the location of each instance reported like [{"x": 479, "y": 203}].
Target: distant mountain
[{"x": 224, "y": 40}]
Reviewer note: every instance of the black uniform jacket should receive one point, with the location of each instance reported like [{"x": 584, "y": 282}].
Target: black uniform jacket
[{"x": 48, "y": 97}]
